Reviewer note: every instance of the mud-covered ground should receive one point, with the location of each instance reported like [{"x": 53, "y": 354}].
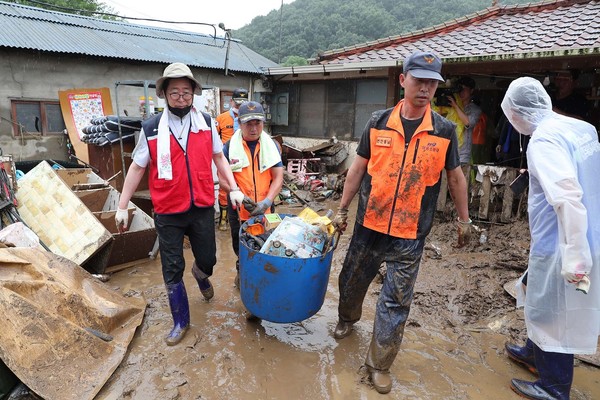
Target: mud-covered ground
[{"x": 452, "y": 349}]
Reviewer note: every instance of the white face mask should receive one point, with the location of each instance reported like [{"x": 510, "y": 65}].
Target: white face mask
[{"x": 235, "y": 110}]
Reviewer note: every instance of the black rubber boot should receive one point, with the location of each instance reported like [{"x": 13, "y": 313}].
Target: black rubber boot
[
  {"x": 180, "y": 309},
  {"x": 343, "y": 329},
  {"x": 556, "y": 377},
  {"x": 522, "y": 355}
]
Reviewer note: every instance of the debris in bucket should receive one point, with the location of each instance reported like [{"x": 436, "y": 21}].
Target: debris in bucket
[
  {"x": 304, "y": 236},
  {"x": 293, "y": 233}
]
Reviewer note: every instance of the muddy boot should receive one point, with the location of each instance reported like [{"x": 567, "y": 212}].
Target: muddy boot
[
  {"x": 382, "y": 381},
  {"x": 223, "y": 225},
  {"x": 378, "y": 363},
  {"x": 180, "y": 309},
  {"x": 522, "y": 355},
  {"x": 204, "y": 284},
  {"x": 343, "y": 329}
]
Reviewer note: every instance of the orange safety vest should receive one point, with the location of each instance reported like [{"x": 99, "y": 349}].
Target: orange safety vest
[
  {"x": 192, "y": 182},
  {"x": 225, "y": 126},
  {"x": 399, "y": 191},
  {"x": 251, "y": 181},
  {"x": 479, "y": 130}
]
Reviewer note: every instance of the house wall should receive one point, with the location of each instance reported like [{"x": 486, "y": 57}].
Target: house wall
[{"x": 37, "y": 75}]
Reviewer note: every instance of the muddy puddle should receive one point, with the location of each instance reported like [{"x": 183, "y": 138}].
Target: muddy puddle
[{"x": 453, "y": 346}]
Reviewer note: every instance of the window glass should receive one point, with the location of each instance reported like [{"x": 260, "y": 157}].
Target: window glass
[
  {"x": 29, "y": 116},
  {"x": 54, "y": 118}
]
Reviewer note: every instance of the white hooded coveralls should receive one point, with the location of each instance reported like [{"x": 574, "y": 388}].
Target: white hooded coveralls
[{"x": 564, "y": 218}]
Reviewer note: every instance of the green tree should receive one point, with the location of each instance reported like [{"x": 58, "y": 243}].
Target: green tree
[
  {"x": 88, "y": 8},
  {"x": 306, "y": 27},
  {"x": 294, "y": 61}
]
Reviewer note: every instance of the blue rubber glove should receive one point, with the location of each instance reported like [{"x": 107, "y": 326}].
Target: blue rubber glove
[{"x": 261, "y": 207}]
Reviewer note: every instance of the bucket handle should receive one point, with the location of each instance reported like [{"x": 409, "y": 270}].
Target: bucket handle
[{"x": 335, "y": 238}]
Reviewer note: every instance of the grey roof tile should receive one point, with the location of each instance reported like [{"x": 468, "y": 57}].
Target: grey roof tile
[{"x": 504, "y": 30}]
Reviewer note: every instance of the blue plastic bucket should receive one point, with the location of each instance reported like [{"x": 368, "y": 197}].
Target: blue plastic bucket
[{"x": 282, "y": 289}]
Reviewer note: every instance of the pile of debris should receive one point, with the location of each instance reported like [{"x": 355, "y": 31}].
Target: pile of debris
[{"x": 310, "y": 173}]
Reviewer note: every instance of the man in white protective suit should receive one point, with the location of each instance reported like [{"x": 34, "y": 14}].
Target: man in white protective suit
[{"x": 562, "y": 296}]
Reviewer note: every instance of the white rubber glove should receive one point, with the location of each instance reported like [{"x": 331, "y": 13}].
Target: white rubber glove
[
  {"x": 574, "y": 276},
  {"x": 237, "y": 197},
  {"x": 121, "y": 219}
]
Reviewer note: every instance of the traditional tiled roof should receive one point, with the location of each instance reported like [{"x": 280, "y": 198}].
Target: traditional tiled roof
[
  {"x": 547, "y": 28},
  {"x": 38, "y": 29}
]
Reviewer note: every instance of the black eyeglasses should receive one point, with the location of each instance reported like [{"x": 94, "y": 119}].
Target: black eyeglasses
[{"x": 177, "y": 96}]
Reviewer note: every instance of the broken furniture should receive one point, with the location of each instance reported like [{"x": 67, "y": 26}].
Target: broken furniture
[{"x": 72, "y": 211}]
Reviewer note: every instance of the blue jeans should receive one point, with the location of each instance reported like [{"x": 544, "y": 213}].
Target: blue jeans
[{"x": 198, "y": 224}]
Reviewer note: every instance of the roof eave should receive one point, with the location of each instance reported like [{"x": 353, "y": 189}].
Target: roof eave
[{"x": 372, "y": 65}]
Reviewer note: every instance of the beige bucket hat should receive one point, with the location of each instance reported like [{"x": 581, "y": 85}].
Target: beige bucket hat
[{"x": 176, "y": 70}]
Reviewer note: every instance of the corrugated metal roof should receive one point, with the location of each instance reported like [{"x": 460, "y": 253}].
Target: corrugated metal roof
[{"x": 38, "y": 29}]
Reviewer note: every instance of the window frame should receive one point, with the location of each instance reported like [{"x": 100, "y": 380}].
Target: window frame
[{"x": 42, "y": 103}]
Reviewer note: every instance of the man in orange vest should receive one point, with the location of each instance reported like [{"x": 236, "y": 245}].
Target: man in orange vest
[
  {"x": 178, "y": 146},
  {"x": 227, "y": 124},
  {"x": 398, "y": 169},
  {"x": 255, "y": 159}
]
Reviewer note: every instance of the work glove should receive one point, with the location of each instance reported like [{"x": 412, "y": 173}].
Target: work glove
[
  {"x": 121, "y": 219},
  {"x": 464, "y": 232},
  {"x": 237, "y": 197},
  {"x": 249, "y": 204},
  {"x": 579, "y": 278},
  {"x": 576, "y": 275},
  {"x": 261, "y": 207},
  {"x": 340, "y": 221}
]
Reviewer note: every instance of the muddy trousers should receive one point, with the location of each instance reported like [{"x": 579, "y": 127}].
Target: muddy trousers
[
  {"x": 198, "y": 224},
  {"x": 367, "y": 251}
]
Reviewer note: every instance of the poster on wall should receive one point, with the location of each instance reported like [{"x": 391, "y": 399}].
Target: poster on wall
[{"x": 79, "y": 107}]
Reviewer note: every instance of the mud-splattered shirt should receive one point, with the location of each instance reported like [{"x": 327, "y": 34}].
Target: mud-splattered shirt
[{"x": 399, "y": 191}]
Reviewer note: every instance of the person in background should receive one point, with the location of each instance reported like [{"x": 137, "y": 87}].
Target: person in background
[
  {"x": 227, "y": 123},
  {"x": 468, "y": 114},
  {"x": 566, "y": 101},
  {"x": 562, "y": 312},
  {"x": 511, "y": 149},
  {"x": 255, "y": 159},
  {"x": 178, "y": 147},
  {"x": 398, "y": 168}
]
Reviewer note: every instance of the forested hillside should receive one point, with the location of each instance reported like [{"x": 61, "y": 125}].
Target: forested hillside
[{"x": 307, "y": 27}]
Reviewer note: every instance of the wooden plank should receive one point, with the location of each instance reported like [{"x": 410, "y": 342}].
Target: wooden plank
[
  {"x": 509, "y": 197},
  {"x": 484, "y": 203}
]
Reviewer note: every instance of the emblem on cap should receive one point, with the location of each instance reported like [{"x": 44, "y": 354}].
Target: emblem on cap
[{"x": 428, "y": 59}]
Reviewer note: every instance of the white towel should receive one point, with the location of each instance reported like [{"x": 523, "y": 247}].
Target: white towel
[
  {"x": 267, "y": 156},
  {"x": 165, "y": 169}
]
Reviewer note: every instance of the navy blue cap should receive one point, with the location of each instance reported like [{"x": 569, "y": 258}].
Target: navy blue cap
[
  {"x": 424, "y": 65},
  {"x": 251, "y": 110}
]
